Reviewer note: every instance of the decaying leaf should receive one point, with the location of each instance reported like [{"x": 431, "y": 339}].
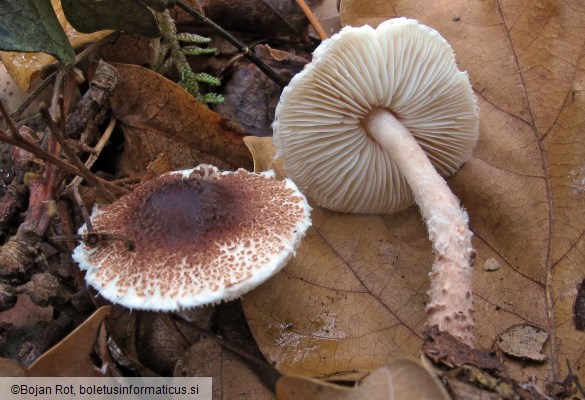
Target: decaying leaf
[
  {"x": 524, "y": 341},
  {"x": 402, "y": 379},
  {"x": 24, "y": 67},
  {"x": 446, "y": 350},
  {"x": 361, "y": 280},
  {"x": 579, "y": 308},
  {"x": 73, "y": 355},
  {"x": 274, "y": 17},
  {"x": 158, "y": 116},
  {"x": 232, "y": 377},
  {"x": 256, "y": 113},
  {"x": 350, "y": 301}
]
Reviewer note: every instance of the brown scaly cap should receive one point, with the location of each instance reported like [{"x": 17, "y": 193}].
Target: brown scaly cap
[{"x": 201, "y": 236}]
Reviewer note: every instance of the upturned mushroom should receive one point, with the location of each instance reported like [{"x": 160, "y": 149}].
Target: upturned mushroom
[
  {"x": 200, "y": 236},
  {"x": 373, "y": 123}
]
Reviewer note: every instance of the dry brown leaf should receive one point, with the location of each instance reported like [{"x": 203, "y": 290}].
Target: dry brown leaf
[
  {"x": 24, "y": 67},
  {"x": 232, "y": 378},
  {"x": 354, "y": 295},
  {"x": 158, "y": 116},
  {"x": 256, "y": 113},
  {"x": 525, "y": 187},
  {"x": 403, "y": 379},
  {"x": 72, "y": 356},
  {"x": 10, "y": 367},
  {"x": 524, "y": 190}
]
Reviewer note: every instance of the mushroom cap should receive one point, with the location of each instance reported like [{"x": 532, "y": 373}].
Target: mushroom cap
[
  {"x": 201, "y": 236},
  {"x": 402, "y": 66}
]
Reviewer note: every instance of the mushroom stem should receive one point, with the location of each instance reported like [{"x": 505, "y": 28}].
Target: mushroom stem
[{"x": 450, "y": 306}]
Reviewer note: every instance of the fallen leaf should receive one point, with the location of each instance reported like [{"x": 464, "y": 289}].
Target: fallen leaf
[
  {"x": 232, "y": 377},
  {"x": 25, "y": 312},
  {"x": 355, "y": 294},
  {"x": 524, "y": 188},
  {"x": 18, "y": 33},
  {"x": 158, "y": 116},
  {"x": 256, "y": 113},
  {"x": 10, "y": 367},
  {"x": 130, "y": 16},
  {"x": 73, "y": 355},
  {"x": 446, "y": 350},
  {"x": 403, "y": 379},
  {"x": 579, "y": 308},
  {"x": 524, "y": 341},
  {"x": 274, "y": 17},
  {"x": 24, "y": 67}
]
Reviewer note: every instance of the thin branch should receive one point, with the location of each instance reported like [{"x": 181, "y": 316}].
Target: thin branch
[
  {"x": 84, "y": 212},
  {"x": 16, "y": 140},
  {"x": 239, "y": 45},
  {"x": 313, "y": 19},
  {"x": 95, "y": 152},
  {"x": 72, "y": 157}
]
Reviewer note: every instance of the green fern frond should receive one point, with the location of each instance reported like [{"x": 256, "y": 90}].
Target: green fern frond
[
  {"x": 206, "y": 78},
  {"x": 197, "y": 51},
  {"x": 190, "y": 82},
  {"x": 192, "y": 38},
  {"x": 212, "y": 98}
]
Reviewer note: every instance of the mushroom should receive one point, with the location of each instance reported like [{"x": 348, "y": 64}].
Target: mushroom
[
  {"x": 200, "y": 236},
  {"x": 371, "y": 124}
]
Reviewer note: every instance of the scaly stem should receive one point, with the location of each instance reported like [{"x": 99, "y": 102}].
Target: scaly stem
[{"x": 450, "y": 306}]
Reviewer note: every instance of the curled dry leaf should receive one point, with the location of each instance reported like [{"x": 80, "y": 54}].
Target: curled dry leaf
[
  {"x": 73, "y": 355},
  {"x": 158, "y": 116},
  {"x": 402, "y": 379}
]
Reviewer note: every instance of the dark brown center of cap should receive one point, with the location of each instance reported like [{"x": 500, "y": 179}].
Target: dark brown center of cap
[{"x": 186, "y": 211}]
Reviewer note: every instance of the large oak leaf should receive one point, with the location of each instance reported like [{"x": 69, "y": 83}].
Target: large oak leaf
[
  {"x": 354, "y": 296},
  {"x": 158, "y": 116}
]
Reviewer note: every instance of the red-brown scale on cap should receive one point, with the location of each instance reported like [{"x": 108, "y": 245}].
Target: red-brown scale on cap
[{"x": 197, "y": 233}]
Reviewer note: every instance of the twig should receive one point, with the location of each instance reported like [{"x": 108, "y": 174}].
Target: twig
[
  {"x": 313, "y": 19},
  {"x": 236, "y": 43},
  {"x": 81, "y": 205},
  {"x": 72, "y": 157},
  {"x": 16, "y": 140},
  {"x": 95, "y": 152},
  {"x": 62, "y": 211},
  {"x": 575, "y": 378}
]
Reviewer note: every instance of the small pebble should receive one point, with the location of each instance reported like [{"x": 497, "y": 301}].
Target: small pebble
[{"x": 491, "y": 264}]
